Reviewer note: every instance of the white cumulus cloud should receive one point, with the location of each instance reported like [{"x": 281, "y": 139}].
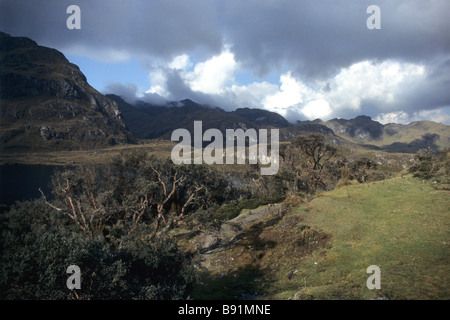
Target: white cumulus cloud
[
  {"x": 436, "y": 115},
  {"x": 376, "y": 88},
  {"x": 317, "y": 109},
  {"x": 291, "y": 93},
  {"x": 213, "y": 75},
  {"x": 377, "y": 83}
]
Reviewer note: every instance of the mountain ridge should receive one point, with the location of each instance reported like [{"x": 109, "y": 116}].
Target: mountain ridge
[
  {"x": 148, "y": 121},
  {"x": 142, "y": 118},
  {"x": 47, "y": 103}
]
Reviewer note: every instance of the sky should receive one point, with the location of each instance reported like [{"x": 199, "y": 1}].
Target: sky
[{"x": 304, "y": 59}]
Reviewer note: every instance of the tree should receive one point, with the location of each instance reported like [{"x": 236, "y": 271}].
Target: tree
[
  {"x": 136, "y": 188},
  {"x": 38, "y": 244},
  {"x": 112, "y": 221},
  {"x": 363, "y": 168},
  {"x": 317, "y": 154}
]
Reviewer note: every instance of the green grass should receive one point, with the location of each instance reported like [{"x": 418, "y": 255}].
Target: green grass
[{"x": 401, "y": 225}]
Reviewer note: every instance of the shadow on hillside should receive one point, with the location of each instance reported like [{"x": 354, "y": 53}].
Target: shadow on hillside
[
  {"x": 251, "y": 236},
  {"x": 245, "y": 283},
  {"x": 427, "y": 141}
]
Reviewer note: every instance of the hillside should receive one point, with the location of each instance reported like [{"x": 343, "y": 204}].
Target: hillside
[
  {"x": 47, "y": 104},
  {"x": 148, "y": 121},
  {"x": 392, "y": 137},
  {"x": 322, "y": 248},
  {"x": 418, "y": 133}
]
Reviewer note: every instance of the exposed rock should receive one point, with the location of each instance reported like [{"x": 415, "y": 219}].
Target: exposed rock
[
  {"x": 208, "y": 244},
  {"x": 361, "y": 128},
  {"x": 46, "y": 132},
  {"x": 40, "y": 88}
]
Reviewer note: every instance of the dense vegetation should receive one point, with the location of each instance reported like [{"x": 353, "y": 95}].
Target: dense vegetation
[
  {"x": 114, "y": 221},
  {"x": 432, "y": 166}
]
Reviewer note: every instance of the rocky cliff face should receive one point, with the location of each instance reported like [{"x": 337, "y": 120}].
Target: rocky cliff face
[
  {"x": 46, "y": 102},
  {"x": 361, "y": 128}
]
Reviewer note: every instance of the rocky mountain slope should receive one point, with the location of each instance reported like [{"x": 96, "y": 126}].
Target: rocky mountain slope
[
  {"x": 46, "y": 102},
  {"x": 148, "y": 121}
]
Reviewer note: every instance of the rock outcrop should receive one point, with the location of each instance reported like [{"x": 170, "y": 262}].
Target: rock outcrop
[{"x": 46, "y": 102}]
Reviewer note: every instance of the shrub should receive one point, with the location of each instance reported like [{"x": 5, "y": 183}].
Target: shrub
[
  {"x": 204, "y": 218},
  {"x": 226, "y": 212},
  {"x": 423, "y": 164},
  {"x": 38, "y": 243}
]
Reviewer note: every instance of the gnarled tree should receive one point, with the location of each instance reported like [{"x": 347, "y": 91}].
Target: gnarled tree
[
  {"x": 309, "y": 155},
  {"x": 136, "y": 188}
]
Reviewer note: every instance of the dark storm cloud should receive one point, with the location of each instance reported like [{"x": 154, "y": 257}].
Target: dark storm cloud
[
  {"x": 154, "y": 28},
  {"x": 318, "y": 37},
  {"x": 314, "y": 40}
]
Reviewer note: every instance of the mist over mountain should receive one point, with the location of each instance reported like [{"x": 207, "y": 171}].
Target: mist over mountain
[
  {"x": 148, "y": 121},
  {"x": 151, "y": 121},
  {"x": 47, "y": 104}
]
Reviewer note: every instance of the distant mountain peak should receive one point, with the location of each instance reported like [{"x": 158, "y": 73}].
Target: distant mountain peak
[{"x": 361, "y": 127}]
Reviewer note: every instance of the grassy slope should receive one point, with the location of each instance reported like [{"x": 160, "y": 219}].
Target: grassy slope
[{"x": 401, "y": 225}]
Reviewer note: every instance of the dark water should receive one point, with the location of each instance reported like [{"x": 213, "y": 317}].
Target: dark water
[{"x": 20, "y": 182}]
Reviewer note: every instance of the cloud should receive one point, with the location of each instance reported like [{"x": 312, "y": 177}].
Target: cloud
[
  {"x": 328, "y": 62},
  {"x": 292, "y": 92},
  {"x": 181, "y": 62},
  {"x": 436, "y": 115},
  {"x": 313, "y": 38},
  {"x": 107, "y": 55},
  {"x": 209, "y": 77},
  {"x": 128, "y": 91},
  {"x": 158, "y": 80},
  {"x": 213, "y": 75},
  {"x": 393, "y": 117},
  {"x": 317, "y": 39},
  {"x": 366, "y": 87},
  {"x": 380, "y": 84},
  {"x": 366, "y": 84},
  {"x": 317, "y": 109},
  {"x": 250, "y": 95}
]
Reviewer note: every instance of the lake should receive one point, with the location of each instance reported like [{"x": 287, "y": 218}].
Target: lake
[{"x": 20, "y": 182}]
